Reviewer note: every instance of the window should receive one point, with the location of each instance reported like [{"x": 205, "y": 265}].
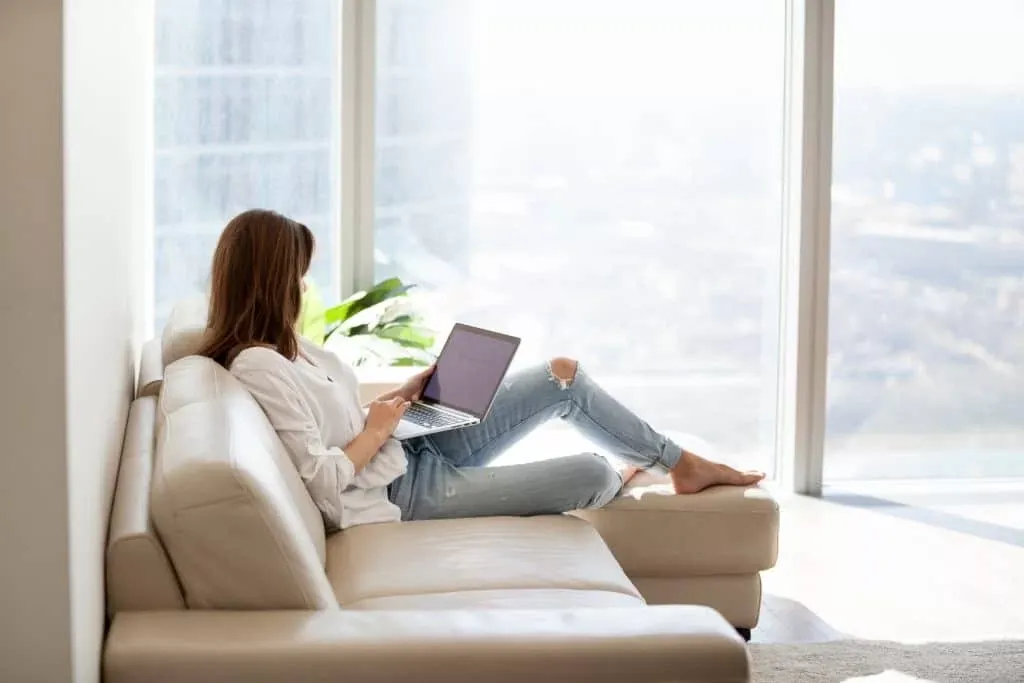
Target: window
[
  {"x": 927, "y": 285},
  {"x": 603, "y": 179},
  {"x": 246, "y": 116}
]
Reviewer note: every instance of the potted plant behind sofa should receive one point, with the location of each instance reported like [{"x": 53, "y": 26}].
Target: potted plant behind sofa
[{"x": 376, "y": 327}]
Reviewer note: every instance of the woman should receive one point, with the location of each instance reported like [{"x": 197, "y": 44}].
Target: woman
[{"x": 354, "y": 471}]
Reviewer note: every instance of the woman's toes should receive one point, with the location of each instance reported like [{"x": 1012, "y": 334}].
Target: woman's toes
[
  {"x": 736, "y": 478},
  {"x": 749, "y": 478}
]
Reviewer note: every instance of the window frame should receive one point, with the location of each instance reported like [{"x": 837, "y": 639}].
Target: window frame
[
  {"x": 806, "y": 249},
  {"x": 358, "y": 85}
]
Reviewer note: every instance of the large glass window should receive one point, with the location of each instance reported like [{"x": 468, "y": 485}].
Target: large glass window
[
  {"x": 602, "y": 178},
  {"x": 246, "y": 116},
  {"x": 927, "y": 287}
]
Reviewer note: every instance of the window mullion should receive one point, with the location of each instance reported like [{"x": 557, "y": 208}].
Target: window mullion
[
  {"x": 358, "y": 109},
  {"x": 806, "y": 240}
]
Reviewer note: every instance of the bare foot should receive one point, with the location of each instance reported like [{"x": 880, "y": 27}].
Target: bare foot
[{"x": 693, "y": 473}]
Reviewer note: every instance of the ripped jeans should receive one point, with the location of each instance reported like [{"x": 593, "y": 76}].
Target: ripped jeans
[{"x": 448, "y": 476}]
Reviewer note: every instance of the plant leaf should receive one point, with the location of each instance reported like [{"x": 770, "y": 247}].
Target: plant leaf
[
  {"x": 392, "y": 288},
  {"x": 407, "y": 335},
  {"x": 312, "y": 320},
  {"x": 408, "y": 362},
  {"x": 368, "y": 318},
  {"x": 385, "y": 288},
  {"x": 371, "y": 350},
  {"x": 343, "y": 311}
]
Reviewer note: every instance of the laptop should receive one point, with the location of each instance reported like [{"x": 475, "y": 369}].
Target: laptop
[{"x": 459, "y": 393}]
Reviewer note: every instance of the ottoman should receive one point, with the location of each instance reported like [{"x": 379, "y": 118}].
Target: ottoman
[{"x": 703, "y": 549}]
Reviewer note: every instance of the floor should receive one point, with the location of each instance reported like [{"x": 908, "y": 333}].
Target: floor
[{"x": 899, "y": 562}]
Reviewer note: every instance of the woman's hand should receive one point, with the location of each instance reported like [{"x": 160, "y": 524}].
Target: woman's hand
[
  {"x": 413, "y": 387},
  {"x": 384, "y": 415},
  {"x": 381, "y": 420}
]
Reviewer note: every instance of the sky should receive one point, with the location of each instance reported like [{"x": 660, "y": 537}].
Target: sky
[
  {"x": 904, "y": 43},
  {"x": 580, "y": 47}
]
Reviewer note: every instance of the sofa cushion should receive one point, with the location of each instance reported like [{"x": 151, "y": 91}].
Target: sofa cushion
[
  {"x": 509, "y": 598},
  {"x": 185, "y": 329},
  {"x": 688, "y": 644},
  {"x": 232, "y": 511},
  {"x": 482, "y": 554},
  {"x": 655, "y": 533},
  {"x": 139, "y": 573},
  {"x": 737, "y": 597}
]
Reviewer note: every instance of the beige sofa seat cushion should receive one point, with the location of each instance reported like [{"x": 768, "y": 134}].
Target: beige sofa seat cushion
[
  {"x": 233, "y": 513},
  {"x": 508, "y": 598},
  {"x": 678, "y": 644},
  {"x": 723, "y": 530},
  {"x": 553, "y": 552},
  {"x": 139, "y": 573}
]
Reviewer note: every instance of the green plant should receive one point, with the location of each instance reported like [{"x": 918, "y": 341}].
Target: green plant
[
  {"x": 376, "y": 327},
  {"x": 312, "y": 324}
]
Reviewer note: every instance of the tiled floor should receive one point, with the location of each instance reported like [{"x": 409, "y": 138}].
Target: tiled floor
[{"x": 899, "y": 562}]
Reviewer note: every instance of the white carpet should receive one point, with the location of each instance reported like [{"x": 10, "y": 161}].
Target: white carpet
[{"x": 865, "y": 661}]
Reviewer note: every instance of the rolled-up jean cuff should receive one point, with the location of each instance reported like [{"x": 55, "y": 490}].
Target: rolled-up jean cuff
[{"x": 667, "y": 460}]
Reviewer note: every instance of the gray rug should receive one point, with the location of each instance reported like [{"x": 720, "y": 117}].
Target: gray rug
[{"x": 867, "y": 661}]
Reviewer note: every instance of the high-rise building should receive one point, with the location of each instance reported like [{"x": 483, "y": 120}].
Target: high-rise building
[
  {"x": 245, "y": 117},
  {"x": 423, "y": 151}
]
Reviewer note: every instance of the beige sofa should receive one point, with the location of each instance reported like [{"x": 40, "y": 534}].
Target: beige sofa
[{"x": 218, "y": 568}]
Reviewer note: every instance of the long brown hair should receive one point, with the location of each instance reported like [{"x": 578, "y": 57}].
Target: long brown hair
[{"x": 256, "y": 285}]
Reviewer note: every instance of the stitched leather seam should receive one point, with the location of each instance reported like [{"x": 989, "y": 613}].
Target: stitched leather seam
[
  {"x": 616, "y": 591},
  {"x": 488, "y": 590}
]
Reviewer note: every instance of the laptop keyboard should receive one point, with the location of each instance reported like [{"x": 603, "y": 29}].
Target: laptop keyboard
[{"x": 425, "y": 416}]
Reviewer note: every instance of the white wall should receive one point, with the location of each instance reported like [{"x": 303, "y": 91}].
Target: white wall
[
  {"x": 73, "y": 184},
  {"x": 106, "y": 103}
]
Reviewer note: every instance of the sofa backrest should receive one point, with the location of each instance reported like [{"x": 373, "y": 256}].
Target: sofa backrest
[
  {"x": 182, "y": 336},
  {"x": 233, "y": 514},
  {"x": 185, "y": 329},
  {"x": 139, "y": 573}
]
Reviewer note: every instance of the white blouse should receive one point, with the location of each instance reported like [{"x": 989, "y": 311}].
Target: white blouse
[{"x": 313, "y": 404}]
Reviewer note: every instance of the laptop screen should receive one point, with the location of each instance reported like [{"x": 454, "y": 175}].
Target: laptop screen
[{"x": 470, "y": 369}]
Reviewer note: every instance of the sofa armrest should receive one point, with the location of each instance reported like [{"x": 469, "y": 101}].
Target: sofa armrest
[
  {"x": 151, "y": 369},
  {"x": 665, "y": 643}
]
